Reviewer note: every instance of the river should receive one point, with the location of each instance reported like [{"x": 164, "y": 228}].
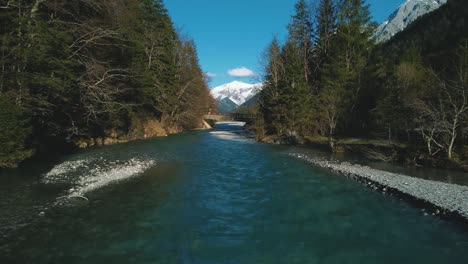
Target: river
[{"x": 209, "y": 197}]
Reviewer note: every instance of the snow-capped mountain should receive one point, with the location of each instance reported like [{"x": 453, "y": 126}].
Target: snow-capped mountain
[
  {"x": 408, "y": 12},
  {"x": 237, "y": 92},
  {"x": 226, "y": 105}
]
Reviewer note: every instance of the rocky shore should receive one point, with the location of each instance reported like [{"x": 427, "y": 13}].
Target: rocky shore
[
  {"x": 442, "y": 198},
  {"x": 143, "y": 129}
]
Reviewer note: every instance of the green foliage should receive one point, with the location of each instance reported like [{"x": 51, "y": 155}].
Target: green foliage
[
  {"x": 390, "y": 114},
  {"x": 412, "y": 89},
  {"x": 301, "y": 35},
  {"x": 286, "y": 98},
  {"x": 295, "y": 91},
  {"x": 326, "y": 22},
  {"x": 271, "y": 105},
  {"x": 297, "y": 99},
  {"x": 342, "y": 76},
  {"x": 83, "y": 69},
  {"x": 326, "y": 27},
  {"x": 14, "y": 132}
]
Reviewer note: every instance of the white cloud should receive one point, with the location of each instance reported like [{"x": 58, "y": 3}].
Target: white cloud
[
  {"x": 241, "y": 72},
  {"x": 210, "y": 74}
]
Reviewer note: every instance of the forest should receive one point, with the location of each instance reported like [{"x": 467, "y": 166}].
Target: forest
[
  {"x": 331, "y": 84},
  {"x": 93, "y": 72}
]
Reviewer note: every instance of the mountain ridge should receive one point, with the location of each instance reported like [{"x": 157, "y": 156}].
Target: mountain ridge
[
  {"x": 236, "y": 92},
  {"x": 408, "y": 12}
]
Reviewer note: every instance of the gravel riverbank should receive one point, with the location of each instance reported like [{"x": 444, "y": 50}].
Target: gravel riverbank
[{"x": 444, "y": 197}]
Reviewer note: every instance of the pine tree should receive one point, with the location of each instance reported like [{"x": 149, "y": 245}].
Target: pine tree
[
  {"x": 392, "y": 112},
  {"x": 301, "y": 34},
  {"x": 50, "y": 77},
  {"x": 326, "y": 26},
  {"x": 13, "y": 135},
  {"x": 84, "y": 69},
  {"x": 295, "y": 91},
  {"x": 272, "y": 108},
  {"x": 161, "y": 54},
  {"x": 342, "y": 76},
  {"x": 193, "y": 94}
]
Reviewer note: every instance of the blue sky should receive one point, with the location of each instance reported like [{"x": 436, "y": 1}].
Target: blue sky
[{"x": 231, "y": 35}]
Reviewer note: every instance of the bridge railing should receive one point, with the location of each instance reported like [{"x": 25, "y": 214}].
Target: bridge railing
[
  {"x": 232, "y": 117},
  {"x": 244, "y": 117}
]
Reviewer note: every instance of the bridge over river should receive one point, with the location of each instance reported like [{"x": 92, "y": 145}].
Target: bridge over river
[{"x": 248, "y": 118}]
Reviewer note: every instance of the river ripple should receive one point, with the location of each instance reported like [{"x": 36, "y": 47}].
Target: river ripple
[{"x": 209, "y": 197}]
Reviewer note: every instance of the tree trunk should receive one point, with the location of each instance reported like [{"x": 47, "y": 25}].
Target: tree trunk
[
  {"x": 429, "y": 147},
  {"x": 389, "y": 133},
  {"x": 331, "y": 139},
  {"x": 332, "y": 143},
  {"x": 453, "y": 137},
  {"x": 450, "y": 147}
]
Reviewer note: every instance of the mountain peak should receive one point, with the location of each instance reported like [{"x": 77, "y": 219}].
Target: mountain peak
[
  {"x": 238, "y": 83},
  {"x": 237, "y": 91},
  {"x": 405, "y": 14}
]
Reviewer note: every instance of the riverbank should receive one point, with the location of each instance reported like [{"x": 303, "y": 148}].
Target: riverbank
[
  {"x": 144, "y": 129},
  {"x": 374, "y": 149},
  {"x": 141, "y": 129},
  {"x": 441, "y": 198}
]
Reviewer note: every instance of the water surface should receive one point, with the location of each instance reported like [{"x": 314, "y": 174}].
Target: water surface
[{"x": 209, "y": 197}]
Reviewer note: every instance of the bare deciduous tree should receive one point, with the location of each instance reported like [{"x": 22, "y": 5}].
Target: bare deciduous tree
[{"x": 440, "y": 120}]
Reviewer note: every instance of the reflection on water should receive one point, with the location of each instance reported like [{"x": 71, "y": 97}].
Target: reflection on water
[{"x": 197, "y": 197}]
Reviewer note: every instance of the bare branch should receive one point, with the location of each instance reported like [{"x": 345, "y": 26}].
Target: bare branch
[{"x": 8, "y": 5}]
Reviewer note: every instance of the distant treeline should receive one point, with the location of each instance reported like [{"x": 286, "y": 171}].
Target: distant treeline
[
  {"x": 331, "y": 80},
  {"x": 78, "y": 69}
]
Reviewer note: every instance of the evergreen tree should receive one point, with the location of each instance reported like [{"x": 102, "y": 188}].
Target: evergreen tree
[
  {"x": 326, "y": 26},
  {"x": 301, "y": 34},
  {"x": 13, "y": 135},
  {"x": 271, "y": 106},
  {"x": 87, "y": 69},
  {"x": 392, "y": 113},
  {"x": 161, "y": 55},
  {"x": 294, "y": 90},
  {"x": 400, "y": 91},
  {"x": 49, "y": 77},
  {"x": 342, "y": 76},
  {"x": 193, "y": 98}
]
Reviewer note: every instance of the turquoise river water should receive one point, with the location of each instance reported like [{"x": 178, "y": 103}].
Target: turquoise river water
[{"x": 209, "y": 197}]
